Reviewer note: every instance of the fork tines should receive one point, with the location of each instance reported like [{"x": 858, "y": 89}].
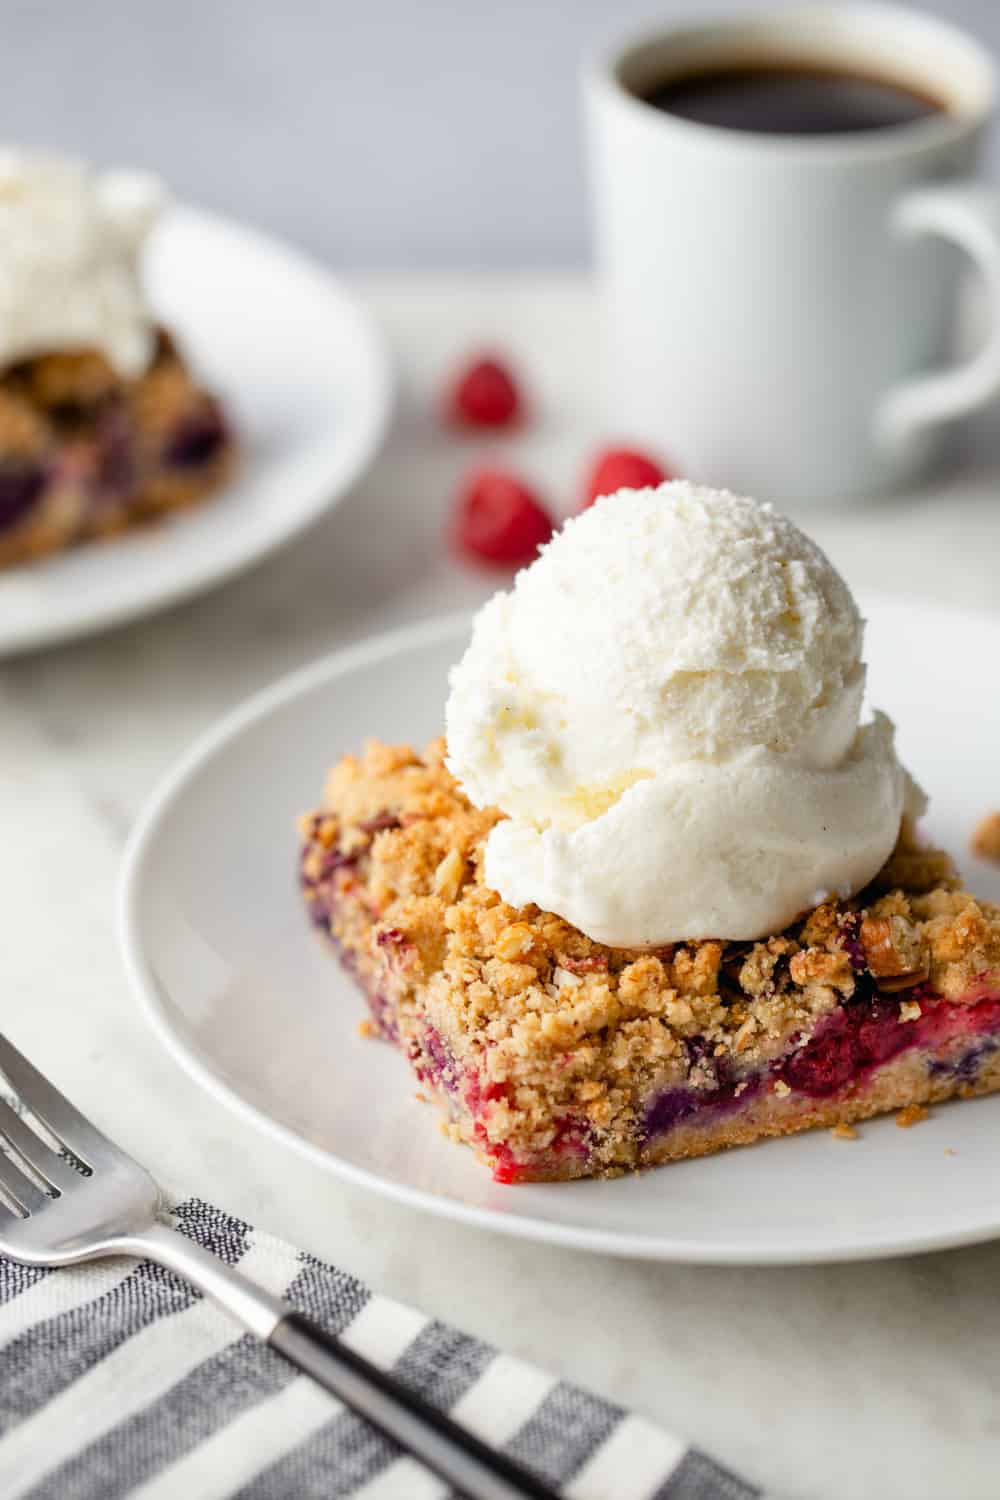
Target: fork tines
[{"x": 45, "y": 1143}]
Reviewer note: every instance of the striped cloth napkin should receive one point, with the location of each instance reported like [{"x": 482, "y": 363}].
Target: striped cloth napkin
[{"x": 118, "y": 1380}]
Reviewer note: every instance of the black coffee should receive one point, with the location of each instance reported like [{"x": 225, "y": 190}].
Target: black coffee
[{"x": 793, "y": 100}]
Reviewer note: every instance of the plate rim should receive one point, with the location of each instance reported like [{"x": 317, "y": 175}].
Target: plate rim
[
  {"x": 142, "y": 981},
  {"x": 360, "y": 443}
]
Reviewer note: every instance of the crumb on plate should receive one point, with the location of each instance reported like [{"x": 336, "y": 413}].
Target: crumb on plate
[{"x": 985, "y": 842}]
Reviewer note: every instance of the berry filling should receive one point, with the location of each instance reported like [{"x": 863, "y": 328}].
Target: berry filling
[
  {"x": 571, "y": 1139},
  {"x": 383, "y": 1016},
  {"x": 966, "y": 1067},
  {"x": 856, "y": 1039},
  {"x": 195, "y": 441},
  {"x": 850, "y": 941},
  {"x": 673, "y": 1106},
  {"x": 20, "y": 487},
  {"x": 863, "y": 1036},
  {"x": 435, "y": 1065},
  {"x": 318, "y": 893},
  {"x": 116, "y": 459}
]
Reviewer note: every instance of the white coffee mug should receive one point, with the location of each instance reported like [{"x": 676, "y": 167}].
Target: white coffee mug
[{"x": 780, "y": 309}]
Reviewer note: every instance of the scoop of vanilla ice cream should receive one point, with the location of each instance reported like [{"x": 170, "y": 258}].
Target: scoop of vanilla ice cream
[
  {"x": 70, "y": 241},
  {"x": 666, "y": 705}
]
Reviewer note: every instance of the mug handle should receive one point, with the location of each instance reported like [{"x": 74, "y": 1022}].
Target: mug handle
[{"x": 967, "y": 214}]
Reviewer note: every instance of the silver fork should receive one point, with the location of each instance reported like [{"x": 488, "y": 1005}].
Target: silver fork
[{"x": 59, "y": 1215}]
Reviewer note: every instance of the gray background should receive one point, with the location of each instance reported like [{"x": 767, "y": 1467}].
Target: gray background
[{"x": 377, "y": 132}]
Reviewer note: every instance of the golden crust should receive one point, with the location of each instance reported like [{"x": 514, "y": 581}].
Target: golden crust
[
  {"x": 24, "y": 430},
  {"x": 79, "y": 377}
]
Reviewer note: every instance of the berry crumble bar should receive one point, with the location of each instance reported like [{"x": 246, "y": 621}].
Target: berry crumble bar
[
  {"x": 86, "y": 452},
  {"x": 556, "y": 1057}
]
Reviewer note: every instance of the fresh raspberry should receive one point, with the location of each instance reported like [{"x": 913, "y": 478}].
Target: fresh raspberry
[
  {"x": 621, "y": 469},
  {"x": 485, "y": 394},
  {"x": 499, "y": 518}
]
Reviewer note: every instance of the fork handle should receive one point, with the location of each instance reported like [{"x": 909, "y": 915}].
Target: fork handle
[
  {"x": 465, "y": 1462},
  {"x": 450, "y": 1450}
]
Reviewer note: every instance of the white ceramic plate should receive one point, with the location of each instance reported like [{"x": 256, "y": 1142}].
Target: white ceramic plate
[
  {"x": 304, "y": 375},
  {"x": 253, "y": 1006}
]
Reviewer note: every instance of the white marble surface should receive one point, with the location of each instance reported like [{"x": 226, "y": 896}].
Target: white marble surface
[{"x": 846, "y": 1383}]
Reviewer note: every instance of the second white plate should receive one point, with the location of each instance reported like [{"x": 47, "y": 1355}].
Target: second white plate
[
  {"x": 302, "y": 371},
  {"x": 253, "y": 1006}
]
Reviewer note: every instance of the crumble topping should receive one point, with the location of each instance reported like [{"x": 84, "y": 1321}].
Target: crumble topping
[
  {"x": 23, "y": 430},
  {"x": 74, "y": 377},
  {"x": 557, "y": 1026}
]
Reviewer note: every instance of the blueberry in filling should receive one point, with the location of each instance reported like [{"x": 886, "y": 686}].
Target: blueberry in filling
[
  {"x": 20, "y": 486},
  {"x": 966, "y": 1067},
  {"x": 116, "y": 469},
  {"x": 195, "y": 440}
]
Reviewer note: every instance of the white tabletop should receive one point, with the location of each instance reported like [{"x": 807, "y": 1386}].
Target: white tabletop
[{"x": 844, "y": 1383}]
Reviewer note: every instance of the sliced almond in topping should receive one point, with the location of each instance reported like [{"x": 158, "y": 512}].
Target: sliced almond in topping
[
  {"x": 745, "y": 1035},
  {"x": 515, "y": 941},
  {"x": 895, "y": 952},
  {"x": 448, "y": 875}
]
